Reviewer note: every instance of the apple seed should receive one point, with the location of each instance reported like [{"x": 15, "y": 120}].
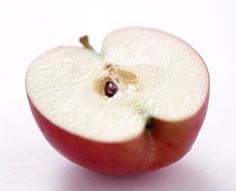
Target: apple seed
[{"x": 110, "y": 89}]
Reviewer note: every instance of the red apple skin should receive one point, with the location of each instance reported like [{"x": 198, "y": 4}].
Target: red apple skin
[{"x": 155, "y": 148}]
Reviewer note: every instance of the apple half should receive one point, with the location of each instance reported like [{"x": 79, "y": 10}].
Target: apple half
[{"x": 136, "y": 107}]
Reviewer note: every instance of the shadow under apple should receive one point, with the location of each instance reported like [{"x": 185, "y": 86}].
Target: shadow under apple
[{"x": 179, "y": 176}]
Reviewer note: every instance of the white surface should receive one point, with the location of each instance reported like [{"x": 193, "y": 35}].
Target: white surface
[{"x": 28, "y": 162}]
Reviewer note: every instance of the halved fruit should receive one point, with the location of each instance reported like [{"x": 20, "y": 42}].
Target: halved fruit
[{"x": 136, "y": 107}]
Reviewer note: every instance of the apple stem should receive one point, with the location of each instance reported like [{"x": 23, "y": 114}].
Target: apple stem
[{"x": 84, "y": 40}]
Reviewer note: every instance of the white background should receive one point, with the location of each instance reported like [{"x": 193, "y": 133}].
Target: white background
[{"x": 27, "y": 28}]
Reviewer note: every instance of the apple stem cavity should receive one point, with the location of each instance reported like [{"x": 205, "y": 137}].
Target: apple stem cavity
[
  {"x": 84, "y": 40},
  {"x": 150, "y": 123}
]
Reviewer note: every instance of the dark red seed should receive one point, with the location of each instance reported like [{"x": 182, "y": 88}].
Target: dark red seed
[{"x": 110, "y": 89}]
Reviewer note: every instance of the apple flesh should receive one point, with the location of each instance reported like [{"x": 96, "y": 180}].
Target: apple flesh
[{"x": 151, "y": 121}]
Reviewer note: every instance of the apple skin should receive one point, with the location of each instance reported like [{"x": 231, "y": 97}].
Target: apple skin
[{"x": 155, "y": 148}]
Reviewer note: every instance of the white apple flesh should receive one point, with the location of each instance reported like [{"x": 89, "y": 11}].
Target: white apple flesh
[{"x": 151, "y": 121}]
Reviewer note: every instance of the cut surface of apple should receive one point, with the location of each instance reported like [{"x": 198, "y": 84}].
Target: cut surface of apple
[{"x": 157, "y": 77}]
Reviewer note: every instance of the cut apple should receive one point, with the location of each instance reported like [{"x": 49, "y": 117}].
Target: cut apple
[{"x": 136, "y": 107}]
